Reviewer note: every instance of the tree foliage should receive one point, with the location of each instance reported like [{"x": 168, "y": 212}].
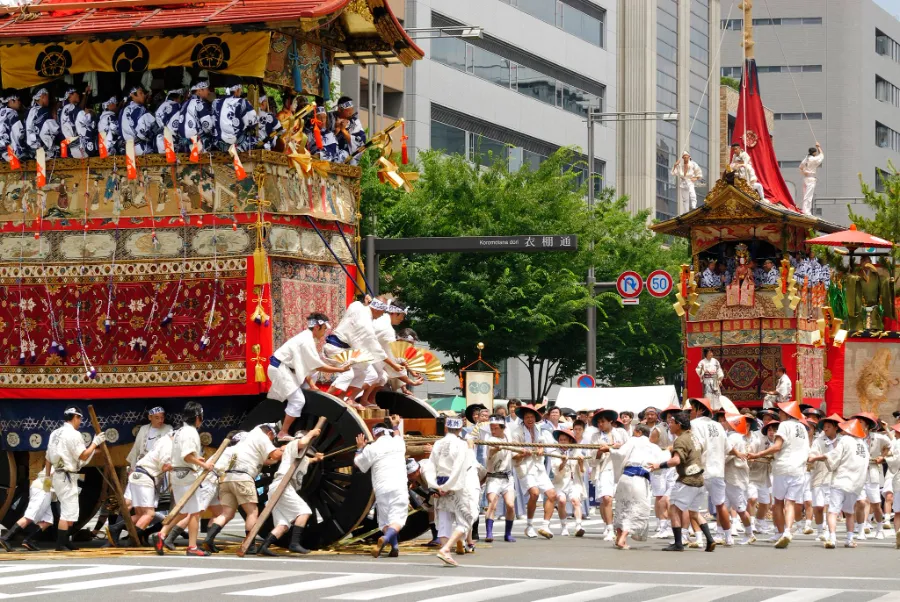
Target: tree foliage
[
  {"x": 529, "y": 306},
  {"x": 886, "y": 208}
]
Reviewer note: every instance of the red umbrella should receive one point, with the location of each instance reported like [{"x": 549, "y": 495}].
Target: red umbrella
[{"x": 851, "y": 239}]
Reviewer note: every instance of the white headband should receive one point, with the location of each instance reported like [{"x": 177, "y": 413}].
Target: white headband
[
  {"x": 200, "y": 86},
  {"x": 175, "y": 91},
  {"x": 134, "y": 89},
  {"x": 379, "y": 430},
  {"x": 37, "y": 95},
  {"x": 411, "y": 465},
  {"x": 111, "y": 101},
  {"x": 263, "y": 99},
  {"x": 378, "y": 305},
  {"x": 497, "y": 420},
  {"x": 320, "y": 109},
  {"x": 347, "y": 104},
  {"x": 74, "y": 412},
  {"x": 314, "y": 323},
  {"x": 231, "y": 89},
  {"x": 454, "y": 423},
  {"x": 156, "y": 410}
]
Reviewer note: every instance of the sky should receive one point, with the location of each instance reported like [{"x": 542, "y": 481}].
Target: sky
[{"x": 892, "y": 6}]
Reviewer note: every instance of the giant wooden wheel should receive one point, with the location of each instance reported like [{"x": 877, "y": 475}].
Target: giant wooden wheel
[{"x": 339, "y": 494}]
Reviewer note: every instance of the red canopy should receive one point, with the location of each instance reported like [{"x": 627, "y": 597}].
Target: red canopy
[
  {"x": 852, "y": 239},
  {"x": 752, "y": 132}
]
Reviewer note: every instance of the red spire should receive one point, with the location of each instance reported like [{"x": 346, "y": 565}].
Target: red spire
[{"x": 758, "y": 142}]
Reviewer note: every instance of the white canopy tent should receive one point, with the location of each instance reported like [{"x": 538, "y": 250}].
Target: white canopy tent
[{"x": 621, "y": 399}]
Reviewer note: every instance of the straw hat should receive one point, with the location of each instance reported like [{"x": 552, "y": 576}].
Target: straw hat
[
  {"x": 792, "y": 409},
  {"x": 853, "y": 427},
  {"x": 611, "y": 415},
  {"x": 738, "y": 422},
  {"x": 559, "y": 432}
]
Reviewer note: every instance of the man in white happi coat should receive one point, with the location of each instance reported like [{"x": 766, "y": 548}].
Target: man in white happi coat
[
  {"x": 870, "y": 499},
  {"x": 737, "y": 469},
  {"x": 458, "y": 477},
  {"x": 148, "y": 435},
  {"x": 661, "y": 481},
  {"x": 355, "y": 331},
  {"x": 380, "y": 373},
  {"x": 187, "y": 464},
  {"x": 741, "y": 163},
  {"x": 893, "y": 462},
  {"x": 291, "y": 368},
  {"x": 848, "y": 462},
  {"x": 791, "y": 451},
  {"x": 385, "y": 457},
  {"x": 68, "y": 455},
  {"x": 821, "y": 475},
  {"x": 291, "y": 512},
  {"x": 759, "y": 494},
  {"x": 688, "y": 173},
  {"x": 142, "y": 492},
  {"x": 782, "y": 392},
  {"x": 808, "y": 167},
  {"x": 712, "y": 442},
  {"x": 531, "y": 471},
  {"x": 38, "y": 514},
  {"x": 500, "y": 482},
  {"x": 237, "y": 483},
  {"x": 423, "y": 489},
  {"x": 602, "y": 470},
  {"x": 568, "y": 480}
]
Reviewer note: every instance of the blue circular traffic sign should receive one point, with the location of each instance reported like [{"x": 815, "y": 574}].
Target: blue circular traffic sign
[
  {"x": 659, "y": 283},
  {"x": 585, "y": 381},
  {"x": 629, "y": 284}
]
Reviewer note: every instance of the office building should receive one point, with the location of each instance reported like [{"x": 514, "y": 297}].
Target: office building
[{"x": 839, "y": 62}]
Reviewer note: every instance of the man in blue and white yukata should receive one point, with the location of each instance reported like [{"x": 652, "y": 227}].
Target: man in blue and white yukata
[
  {"x": 348, "y": 129},
  {"x": 77, "y": 124},
  {"x": 269, "y": 127},
  {"x": 137, "y": 123},
  {"x": 41, "y": 128},
  {"x": 197, "y": 119},
  {"x": 166, "y": 117},
  {"x": 236, "y": 120},
  {"x": 108, "y": 126},
  {"x": 12, "y": 130}
]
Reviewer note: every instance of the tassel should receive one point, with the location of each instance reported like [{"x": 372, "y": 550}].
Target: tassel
[
  {"x": 168, "y": 319},
  {"x": 204, "y": 342},
  {"x": 260, "y": 268},
  {"x": 130, "y": 160},
  {"x": 195, "y": 150},
  {"x": 64, "y": 148},
  {"x": 53, "y": 347},
  {"x": 22, "y": 358},
  {"x": 62, "y": 351},
  {"x": 260, "y": 373},
  {"x": 107, "y": 325},
  {"x": 239, "y": 171},
  {"x": 33, "y": 357},
  {"x": 14, "y": 162},
  {"x": 169, "y": 145},
  {"x": 101, "y": 145},
  {"x": 317, "y": 134},
  {"x": 404, "y": 152},
  {"x": 40, "y": 159}
]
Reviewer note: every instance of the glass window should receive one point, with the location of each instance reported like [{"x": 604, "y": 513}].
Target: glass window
[
  {"x": 535, "y": 84},
  {"x": 812, "y": 20},
  {"x": 582, "y": 25},
  {"x": 577, "y": 101},
  {"x": 490, "y": 66},
  {"x": 450, "y": 52},
  {"x": 880, "y": 176},
  {"x": 486, "y": 151},
  {"x": 532, "y": 160},
  {"x": 545, "y": 10},
  {"x": 792, "y": 21},
  {"x": 788, "y": 164},
  {"x": 447, "y": 138}
]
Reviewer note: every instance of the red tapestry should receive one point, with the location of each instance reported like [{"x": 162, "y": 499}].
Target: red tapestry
[
  {"x": 748, "y": 370},
  {"x": 132, "y": 341},
  {"x": 298, "y": 289}
]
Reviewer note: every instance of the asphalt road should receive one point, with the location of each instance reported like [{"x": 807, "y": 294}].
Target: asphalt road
[{"x": 559, "y": 570}]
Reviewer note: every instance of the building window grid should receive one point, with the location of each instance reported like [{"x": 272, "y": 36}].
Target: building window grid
[
  {"x": 529, "y": 82},
  {"x": 698, "y": 141},
  {"x": 735, "y": 72},
  {"x": 886, "y": 137},
  {"x": 666, "y": 100},
  {"x": 885, "y": 91},
  {"x": 887, "y": 46},
  {"x": 566, "y": 17},
  {"x": 797, "y": 116},
  {"x": 738, "y": 24}
]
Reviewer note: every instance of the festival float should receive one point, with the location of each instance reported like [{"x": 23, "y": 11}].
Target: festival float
[
  {"x": 173, "y": 279},
  {"x": 835, "y": 336}
]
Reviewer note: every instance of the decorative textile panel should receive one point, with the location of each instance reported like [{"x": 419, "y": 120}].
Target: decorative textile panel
[
  {"x": 748, "y": 370},
  {"x": 812, "y": 371},
  {"x": 298, "y": 289},
  {"x": 871, "y": 377}
]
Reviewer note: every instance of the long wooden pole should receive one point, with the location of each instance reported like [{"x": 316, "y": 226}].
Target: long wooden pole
[
  {"x": 195, "y": 485},
  {"x": 114, "y": 481},
  {"x": 273, "y": 499}
]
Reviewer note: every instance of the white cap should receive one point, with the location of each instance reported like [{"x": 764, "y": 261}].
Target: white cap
[{"x": 411, "y": 465}]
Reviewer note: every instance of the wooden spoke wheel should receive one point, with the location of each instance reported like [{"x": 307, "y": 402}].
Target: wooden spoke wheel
[
  {"x": 9, "y": 485},
  {"x": 339, "y": 494}
]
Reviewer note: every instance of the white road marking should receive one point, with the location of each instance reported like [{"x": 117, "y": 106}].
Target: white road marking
[
  {"x": 308, "y": 586},
  {"x": 499, "y": 591},
  {"x": 600, "y": 593},
  {"x": 805, "y": 595},
  {"x": 18, "y": 568},
  {"x": 707, "y": 593},
  {"x": 406, "y": 588},
  {"x": 222, "y": 582},
  {"x": 143, "y": 577},
  {"x": 54, "y": 575}
]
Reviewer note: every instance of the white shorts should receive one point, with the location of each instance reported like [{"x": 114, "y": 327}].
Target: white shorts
[
  {"x": 760, "y": 493},
  {"x": 737, "y": 497},
  {"x": 65, "y": 486},
  {"x": 870, "y": 492},
  {"x": 38, "y": 509},
  {"x": 295, "y": 403},
  {"x": 662, "y": 481},
  {"x": 290, "y": 505},
  {"x": 573, "y": 492},
  {"x": 498, "y": 486},
  {"x": 807, "y": 488},
  {"x": 820, "y": 496},
  {"x": 685, "y": 497},
  {"x": 355, "y": 377},
  {"x": 392, "y": 508},
  {"x": 896, "y": 504},
  {"x": 605, "y": 484},
  {"x": 201, "y": 499},
  {"x": 375, "y": 375},
  {"x": 539, "y": 480},
  {"x": 841, "y": 501},
  {"x": 715, "y": 486},
  {"x": 141, "y": 495},
  {"x": 786, "y": 487},
  {"x": 444, "y": 523}
]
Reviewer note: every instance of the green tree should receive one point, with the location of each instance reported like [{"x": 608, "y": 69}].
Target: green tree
[
  {"x": 528, "y": 306},
  {"x": 886, "y": 208}
]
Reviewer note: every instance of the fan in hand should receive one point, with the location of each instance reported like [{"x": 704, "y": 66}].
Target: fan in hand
[
  {"x": 434, "y": 371},
  {"x": 353, "y": 356}
]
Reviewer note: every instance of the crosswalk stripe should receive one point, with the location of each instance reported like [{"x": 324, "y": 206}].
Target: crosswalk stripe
[
  {"x": 155, "y": 575},
  {"x": 18, "y": 568},
  {"x": 600, "y": 593},
  {"x": 406, "y": 588},
  {"x": 500, "y": 591},
  {"x": 707, "y": 594},
  {"x": 307, "y": 586},
  {"x": 805, "y": 595},
  {"x": 889, "y": 597},
  {"x": 221, "y": 582},
  {"x": 54, "y": 575}
]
